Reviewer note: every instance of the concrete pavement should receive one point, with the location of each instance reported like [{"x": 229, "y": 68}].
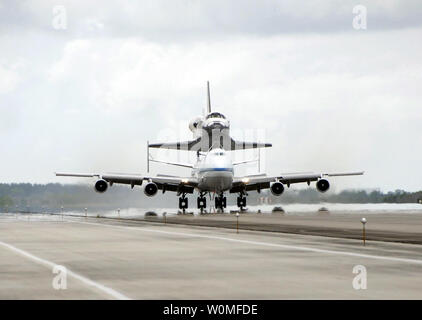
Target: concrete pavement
[{"x": 111, "y": 259}]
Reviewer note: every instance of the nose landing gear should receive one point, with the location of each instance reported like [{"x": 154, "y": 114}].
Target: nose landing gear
[{"x": 221, "y": 202}]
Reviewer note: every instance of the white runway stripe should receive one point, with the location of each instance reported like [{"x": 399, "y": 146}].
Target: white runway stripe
[
  {"x": 111, "y": 292},
  {"x": 259, "y": 243}
]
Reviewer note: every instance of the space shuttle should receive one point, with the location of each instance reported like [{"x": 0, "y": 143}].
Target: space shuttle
[{"x": 210, "y": 131}]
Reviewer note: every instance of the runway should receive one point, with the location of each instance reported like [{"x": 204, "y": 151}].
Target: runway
[
  {"x": 120, "y": 259},
  {"x": 391, "y": 227}
]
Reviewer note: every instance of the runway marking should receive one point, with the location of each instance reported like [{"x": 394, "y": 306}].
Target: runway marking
[
  {"x": 285, "y": 246},
  {"x": 115, "y": 294}
]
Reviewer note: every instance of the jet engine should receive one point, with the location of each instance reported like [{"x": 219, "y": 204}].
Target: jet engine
[
  {"x": 150, "y": 189},
  {"x": 323, "y": 185},
  {"x": 101, "y": 186},
  {"x": 277, "y": 188}
]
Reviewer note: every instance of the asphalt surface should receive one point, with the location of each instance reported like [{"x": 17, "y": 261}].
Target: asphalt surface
[
  {"x": 392, "y": 227},
  {"x": 119, "y": 259}
]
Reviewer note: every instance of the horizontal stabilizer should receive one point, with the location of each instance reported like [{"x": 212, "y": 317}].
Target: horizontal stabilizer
[
  {"x": 342, "y": 174},
  {"x": 245, "y": 161},
  {"x": 81, "y": 175},
  {"x": 185, "y": 165}
]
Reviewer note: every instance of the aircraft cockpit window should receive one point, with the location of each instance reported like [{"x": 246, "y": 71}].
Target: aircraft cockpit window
[{"x": 216, "y": 115}]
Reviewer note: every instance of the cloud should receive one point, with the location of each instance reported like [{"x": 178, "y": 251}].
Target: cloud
[
  {"x": 329, "y": 98},
  {"x": 9, "y": 78},
  {"x": 161, "y": 20}
]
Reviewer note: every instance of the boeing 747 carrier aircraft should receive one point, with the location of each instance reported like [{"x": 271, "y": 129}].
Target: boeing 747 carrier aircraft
[{"x": 213, "y": 173}]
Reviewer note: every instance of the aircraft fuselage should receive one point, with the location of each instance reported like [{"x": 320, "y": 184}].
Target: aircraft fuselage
[{"x": 214, "y": 172}]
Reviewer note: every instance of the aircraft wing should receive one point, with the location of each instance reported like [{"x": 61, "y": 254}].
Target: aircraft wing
[
  {"x": 165, "y": 183},
  {"x": 263, "y": 182}
]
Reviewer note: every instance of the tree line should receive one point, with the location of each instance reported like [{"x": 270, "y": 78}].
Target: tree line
[{"x": 55, "y": 195}]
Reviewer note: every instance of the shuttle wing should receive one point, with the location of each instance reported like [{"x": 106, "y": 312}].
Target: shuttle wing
[
  {"x": 264, "y": 182},
  {"x": 165, "y": 183},
  {"x": 204, "y": 145},
  {"x": 241, "y": 145},
  {"x": 190, "y": 145}
]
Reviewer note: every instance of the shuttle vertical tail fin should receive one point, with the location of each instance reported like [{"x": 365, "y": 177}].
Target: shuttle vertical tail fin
[{"x": 208, "y": 98}]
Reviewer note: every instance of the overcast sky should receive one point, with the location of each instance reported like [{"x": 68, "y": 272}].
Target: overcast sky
[{"x": 329, "y": 97}]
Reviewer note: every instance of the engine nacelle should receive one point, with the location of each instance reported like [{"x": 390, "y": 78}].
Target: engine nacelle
[
  {"x": 277, "y": 188},
  {"x": 101, "y": 186},
  {"x": 194, "y": 124},
  {"x": 150, "y": 189},
  {"x": 323, "y": 185}
]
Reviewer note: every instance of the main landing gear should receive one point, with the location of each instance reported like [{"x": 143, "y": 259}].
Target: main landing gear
[
  {"x": 241, "y": 201},
  {"x": 183, "y": 202},
  {"x": 202, "y": 202},
  {"x": 220, "y": 202}
]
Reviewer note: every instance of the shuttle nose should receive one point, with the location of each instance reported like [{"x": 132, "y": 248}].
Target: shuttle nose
[{"x": 216, "y": 125}]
